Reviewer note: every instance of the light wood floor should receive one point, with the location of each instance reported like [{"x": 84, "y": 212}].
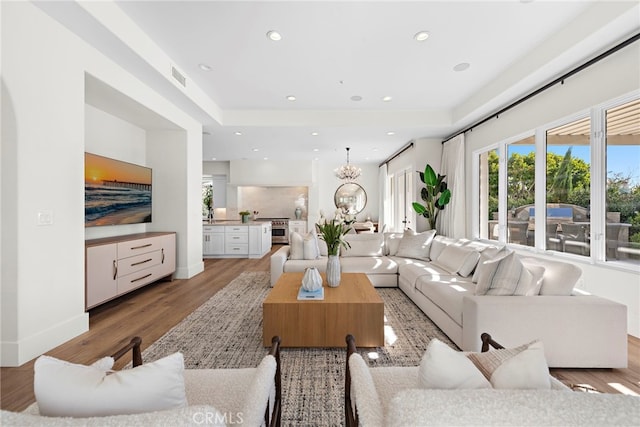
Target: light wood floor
[{"x": 150, "y": 312}]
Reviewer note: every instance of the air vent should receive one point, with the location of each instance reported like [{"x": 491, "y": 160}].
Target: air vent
[{"x": 178, "y": 76}]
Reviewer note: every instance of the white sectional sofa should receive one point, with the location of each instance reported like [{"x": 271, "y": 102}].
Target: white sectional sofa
[{"x": 440, "y": 275}]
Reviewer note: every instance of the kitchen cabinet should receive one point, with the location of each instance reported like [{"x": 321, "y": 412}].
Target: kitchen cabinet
[
  {"x": 298, "y": 226},
  {"x": 212, "y": 240},
  {"x": 236, "y": 240},
  {"x": 259, "y": 240},
  {"x": 120, "y": 264}
]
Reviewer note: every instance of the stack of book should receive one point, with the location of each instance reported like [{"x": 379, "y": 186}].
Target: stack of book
[{"x": 311, "y": 296}]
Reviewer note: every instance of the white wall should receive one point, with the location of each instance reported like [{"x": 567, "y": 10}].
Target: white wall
[
  {"x": 110, "y": 136},
  {"x": 43, "y": 139},
  {"x": 613, "y": 77}
]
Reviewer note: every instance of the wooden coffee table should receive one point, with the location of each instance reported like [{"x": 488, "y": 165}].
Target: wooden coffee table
[{"x": 353, "y": 308}]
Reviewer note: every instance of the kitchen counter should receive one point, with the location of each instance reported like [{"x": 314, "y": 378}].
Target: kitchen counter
[{"x": 233, "y": 222}]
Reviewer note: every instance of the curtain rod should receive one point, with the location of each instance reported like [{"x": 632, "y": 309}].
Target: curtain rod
[
  {"x": 560, "y": 80},
  {"x": 397, "y": 153}
]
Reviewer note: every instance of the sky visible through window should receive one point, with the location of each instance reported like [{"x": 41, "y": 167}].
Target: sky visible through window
[{"x": 621, "y": 159}]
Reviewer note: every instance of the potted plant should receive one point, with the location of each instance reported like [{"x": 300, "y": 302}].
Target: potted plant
[
  {"x": 435, "y": 195},
  {"x": 244, "y": 215},
  {"x": 332, "y": 232}
]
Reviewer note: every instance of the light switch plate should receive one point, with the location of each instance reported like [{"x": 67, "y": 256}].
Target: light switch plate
[{"x": 45, "y": 218}]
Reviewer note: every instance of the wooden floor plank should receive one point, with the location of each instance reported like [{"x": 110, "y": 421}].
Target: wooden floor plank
[{"x": 151, "y": 311}]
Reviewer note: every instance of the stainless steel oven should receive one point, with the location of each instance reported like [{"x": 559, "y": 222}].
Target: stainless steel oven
[{"x": 279, "y": 230}]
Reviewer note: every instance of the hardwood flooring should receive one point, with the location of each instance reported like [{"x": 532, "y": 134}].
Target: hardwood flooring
[{"x": 151, "y": 311}]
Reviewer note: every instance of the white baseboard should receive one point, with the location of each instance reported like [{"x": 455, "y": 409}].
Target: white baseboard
[
  {"x": 190, "y": 271},
  {"x": 16, "y": 353}
]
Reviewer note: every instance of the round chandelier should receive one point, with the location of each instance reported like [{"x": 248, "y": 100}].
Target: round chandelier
[{"x": 348, "y": 172}]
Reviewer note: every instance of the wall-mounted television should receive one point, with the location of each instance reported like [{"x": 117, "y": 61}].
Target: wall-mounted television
[{"x": 115, "y": 192}]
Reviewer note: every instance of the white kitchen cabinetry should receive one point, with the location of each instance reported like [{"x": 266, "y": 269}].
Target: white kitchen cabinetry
[
  {"x": 259, "y": 240},
  {"x": 298, "y": 226},
  {"x": 252, "y": 240},
  {"x": 117, "y": 265},
  {"x": 212, "y": 240},
  {"x": 236, "y": 240}
]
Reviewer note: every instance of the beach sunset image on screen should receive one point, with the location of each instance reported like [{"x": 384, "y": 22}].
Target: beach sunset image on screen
[{"x": 115, "y": 192}]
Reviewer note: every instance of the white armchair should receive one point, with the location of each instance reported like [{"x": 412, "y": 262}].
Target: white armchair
[{"x": 217, "y": 397}]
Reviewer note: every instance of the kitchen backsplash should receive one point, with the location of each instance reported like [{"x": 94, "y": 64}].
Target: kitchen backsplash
[{"x": 274, "y": 202}]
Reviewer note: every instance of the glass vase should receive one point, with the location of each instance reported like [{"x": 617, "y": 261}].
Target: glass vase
[{"x": 333, "y": 271}]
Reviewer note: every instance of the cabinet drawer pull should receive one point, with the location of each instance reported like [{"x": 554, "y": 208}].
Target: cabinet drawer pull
[
  {"x": 162, "y": 256},
  {"x": 140, "y": 278},
  {"x": 141, "y": 262},
  {"x": 140, "y": 247},
  {"x": 115, "y": 270}
]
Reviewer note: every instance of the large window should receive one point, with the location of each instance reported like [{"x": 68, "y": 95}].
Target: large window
[
  {"x": 521, "y": 166},
  {"x": 622, "y": 232},
  {"x": 568, "y": 186},
  {"x": 580, "y": 195}
]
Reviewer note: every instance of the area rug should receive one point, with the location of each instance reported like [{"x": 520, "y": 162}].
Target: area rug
[{"x": 226, "y": 332}]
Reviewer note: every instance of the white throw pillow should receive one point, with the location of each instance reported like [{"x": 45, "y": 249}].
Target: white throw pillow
[
  {"x": 66, "y": 389},
  {"x": 296, "y": 245},
  {"x": 392, "y": 243},
  {"x": 438, "y": 244},
  {"x": 458, "y": 259},
  {"x": 442, "y": 367},
  {"x": 523, "y": 367},
  {"x": 310, "y": 247},
  {"x": 414, "y": 245},
  {"x": 506, "y": 275},
  {"x": 486, "y": 255}
]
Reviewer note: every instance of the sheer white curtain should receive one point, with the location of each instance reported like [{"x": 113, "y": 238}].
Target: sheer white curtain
[
  {"x": 452, "y": 220},
  {"x": 384, "y": 201}
]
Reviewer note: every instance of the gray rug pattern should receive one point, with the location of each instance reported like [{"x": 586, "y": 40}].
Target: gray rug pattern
[{"x": 226, "y": 332}]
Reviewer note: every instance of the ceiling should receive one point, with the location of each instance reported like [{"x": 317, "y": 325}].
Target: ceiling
[{"x": 331, "y": 52}]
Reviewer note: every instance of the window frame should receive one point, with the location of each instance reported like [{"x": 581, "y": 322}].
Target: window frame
[{"x": 598, "y": 174}]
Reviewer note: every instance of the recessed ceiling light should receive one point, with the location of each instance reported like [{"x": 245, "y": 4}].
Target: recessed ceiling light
[
  {"x": 462, "y": 66},
  {"x": 214, "y": 158},
  {"x": 356, "y": 98},
  {"x": 238, "y": 133},
  {"x": 375, "y": 149},
  {"x": 421, "y": 36},
  {"x": 386, "y": 98},
  {"x": 390, "y": 133},
  {"x": 314, "y": 133},
  {"x": 274, "y": 36},
  {"x": 316, "y": 149},
  {"x": 204, "y": 67},
  {"x": 255, "y": 149},
  {"x": 265, "y": 158},
  {"x": 291, "y": 98}
]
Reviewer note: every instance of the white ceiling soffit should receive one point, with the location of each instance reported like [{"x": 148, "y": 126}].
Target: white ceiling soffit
[{"x": 332, "y": 51}]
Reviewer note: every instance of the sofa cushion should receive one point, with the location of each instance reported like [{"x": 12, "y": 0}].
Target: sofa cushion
[
  {"x": 392, "y": 242},
  {"x": 415, "y": 245},
  {"x": 486, "y": 255},
  {"x": 64, "y": 389},
  {"x": 363, "y": 245},
  {"x": 299, "y": 265},
  {"x": 297, "y": 247},
  {"x": 411, "y": 269},
  {"x": 506, "y": 275},
  {"x": 523, "y": 367},
  {"x": 442, "y": 367},
  {"x": 441, "y": 242},
  {"x": 310, "y": 247},
  {"x": 368, "y": 265},
  {"x": 559, "y": 277},
  {"x": 458, "y": 259},
  {"x": 447, "y": 292}
]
